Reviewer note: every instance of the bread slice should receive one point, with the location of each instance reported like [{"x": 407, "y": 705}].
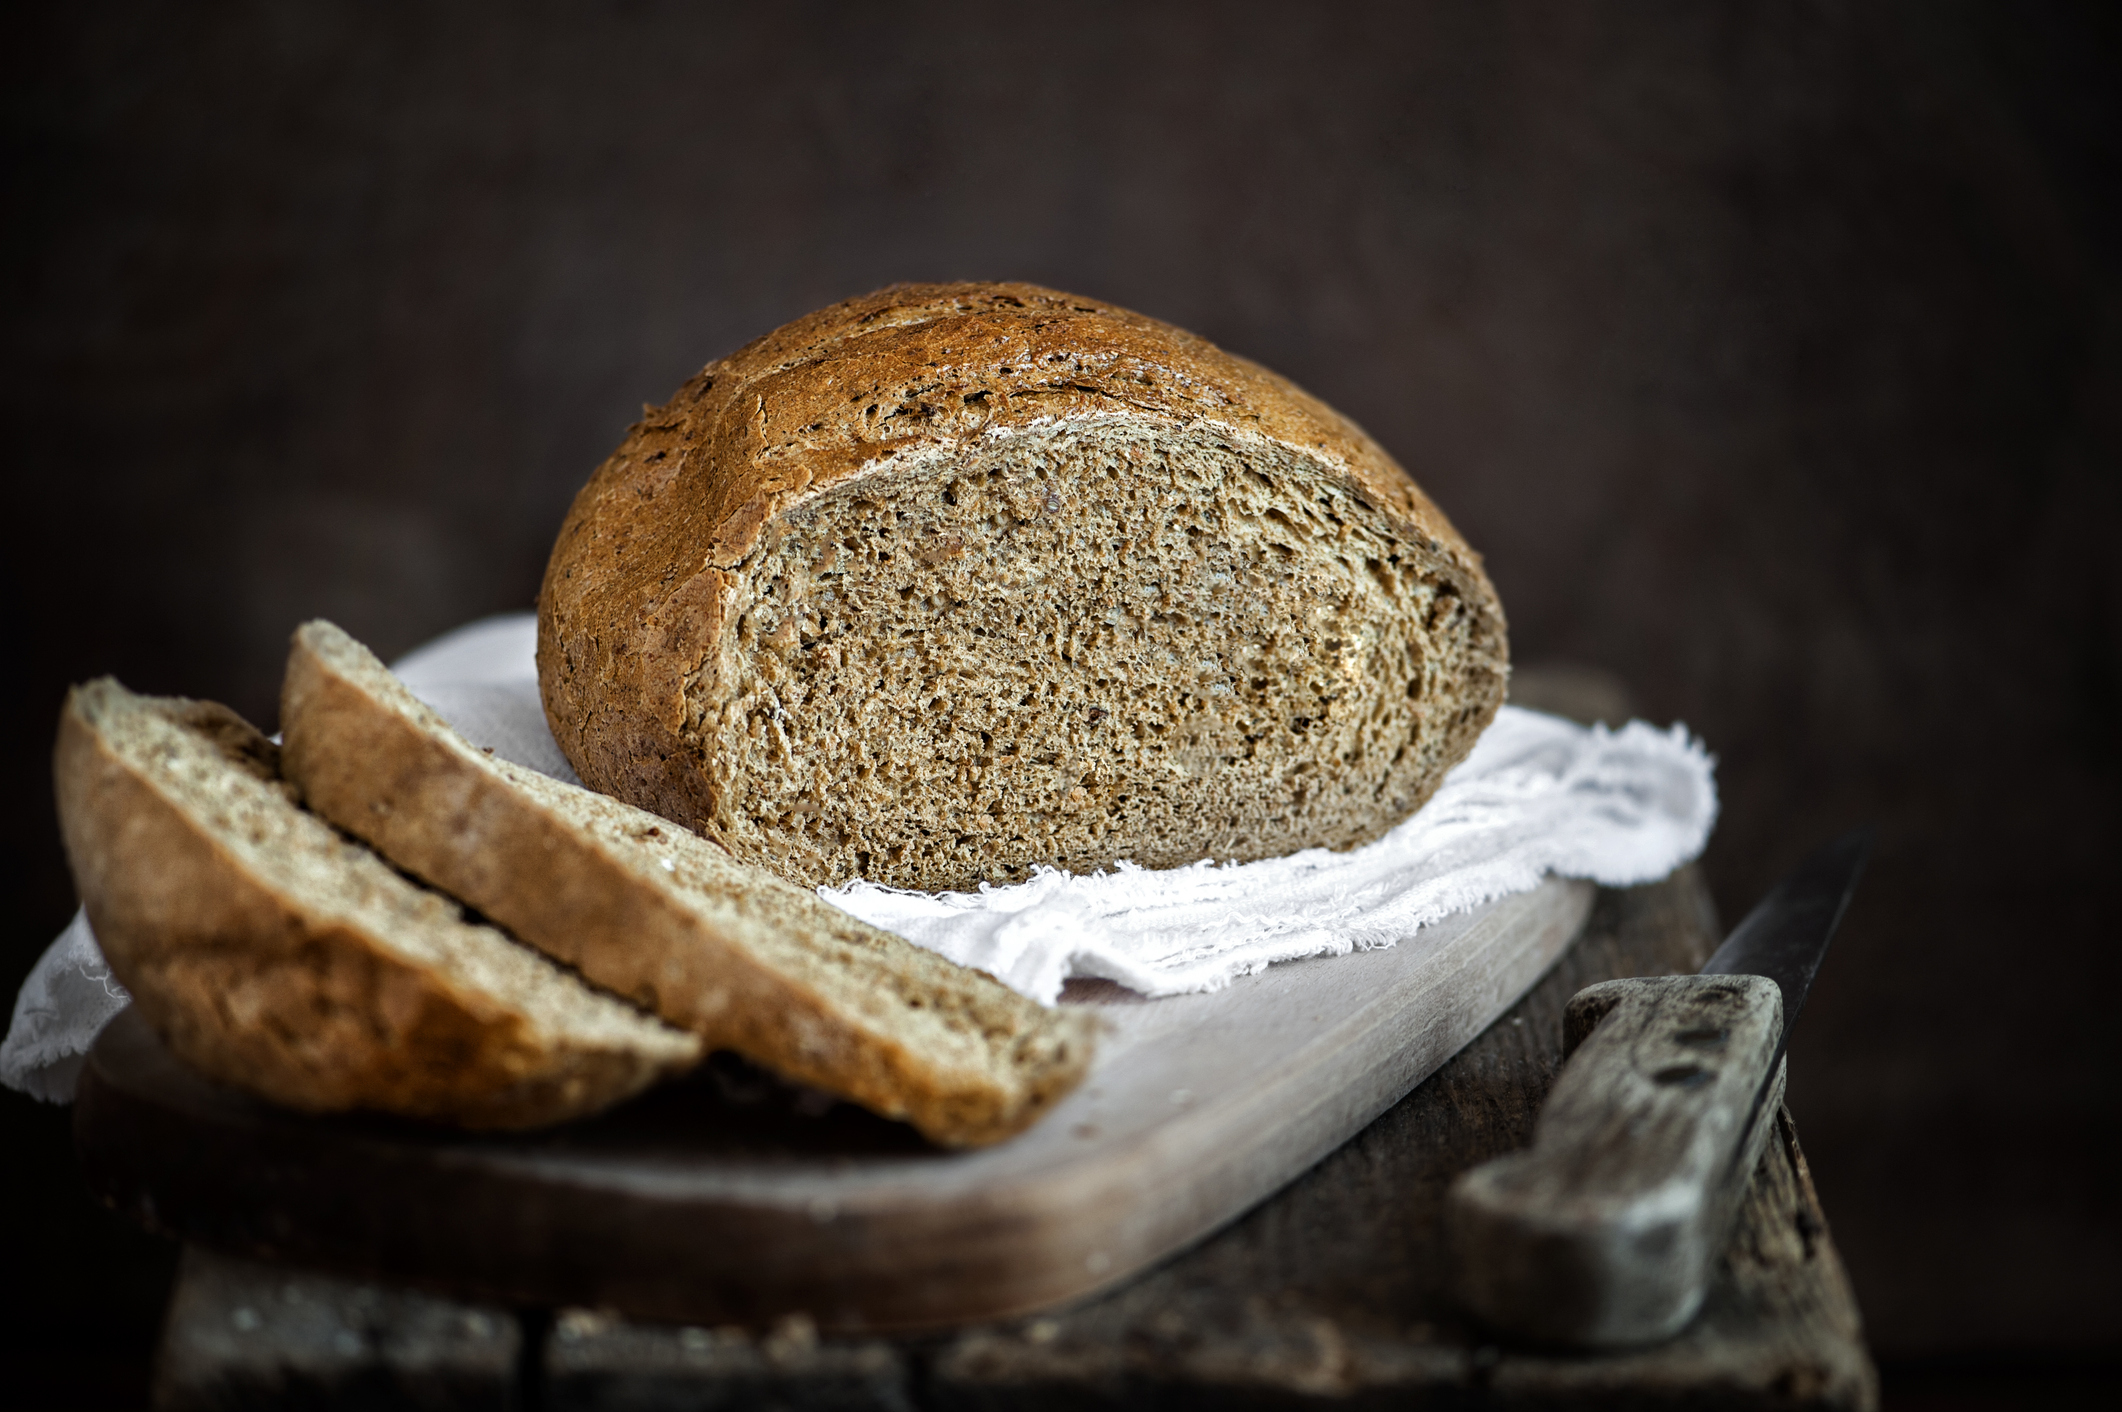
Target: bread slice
[
  {"x": 949, "y": 581},
  {"x": 277, "y": 956},
  {"x": 647, "y": 908}
]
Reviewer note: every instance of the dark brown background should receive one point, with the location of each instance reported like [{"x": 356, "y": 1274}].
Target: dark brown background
[{"x": 1769, "y": 351}]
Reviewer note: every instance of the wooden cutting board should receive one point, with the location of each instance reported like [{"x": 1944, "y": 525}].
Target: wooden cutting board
[{"x": 728, "y": 1198}]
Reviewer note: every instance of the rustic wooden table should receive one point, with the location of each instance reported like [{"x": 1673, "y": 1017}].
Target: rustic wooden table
[{"x": 1332, "y": 1291}]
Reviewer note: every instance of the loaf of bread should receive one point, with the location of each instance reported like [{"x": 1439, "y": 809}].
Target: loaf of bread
[
  {"x": 655, "y": 913},
  {"x": 949, "y": 581},
  {"x": 277, "y": 956}
]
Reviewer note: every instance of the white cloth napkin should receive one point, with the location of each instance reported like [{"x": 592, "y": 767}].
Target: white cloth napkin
[{"x": 1538, "y": 795}]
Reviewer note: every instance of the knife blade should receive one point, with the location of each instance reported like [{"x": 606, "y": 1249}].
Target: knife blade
[{"x": 1603, "y": 1233}]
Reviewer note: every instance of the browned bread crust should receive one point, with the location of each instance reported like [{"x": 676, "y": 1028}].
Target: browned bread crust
[
  {"x": 276, "y": 956},
  {"x": 872, "y": 505},
  {"x": 746, "y": 960}
]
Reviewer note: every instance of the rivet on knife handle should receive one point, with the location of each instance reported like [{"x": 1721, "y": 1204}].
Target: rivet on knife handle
[{"x": 1603, "y": 1232}]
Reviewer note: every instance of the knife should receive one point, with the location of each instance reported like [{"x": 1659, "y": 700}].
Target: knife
[{"x": 1603, "y": 1233}]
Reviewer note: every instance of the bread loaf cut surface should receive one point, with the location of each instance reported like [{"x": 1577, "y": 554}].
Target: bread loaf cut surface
[
  {"x": 643, "y": 906},
  {"x": 949, "y": 581},
  {"x": 275, "y": 955}
]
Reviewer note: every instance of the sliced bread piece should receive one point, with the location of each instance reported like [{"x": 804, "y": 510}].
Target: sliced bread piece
[
  {"x": 278, "y": 956},
  {"x": 654, "y": 912}
]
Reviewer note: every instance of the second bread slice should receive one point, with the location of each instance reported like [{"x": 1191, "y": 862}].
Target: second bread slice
[{"x": 647, "y": 908}]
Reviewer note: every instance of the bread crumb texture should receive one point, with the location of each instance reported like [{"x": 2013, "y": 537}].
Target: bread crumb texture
[
  {"x": 654, "y": 912},
  {"x": 278, "y": 956},
  {"x": 951, "y": 581},
  {"x": 830, "y": 1000}
]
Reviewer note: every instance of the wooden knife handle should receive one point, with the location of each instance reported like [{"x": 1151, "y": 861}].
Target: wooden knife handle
[{"x": 1603, "y": 1233}]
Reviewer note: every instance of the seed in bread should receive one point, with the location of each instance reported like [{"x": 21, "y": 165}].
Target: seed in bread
[
  {"x": 643, "y": 906},
  {"x": 949, "y": 581},
  {"x": 275, "y": 955}
]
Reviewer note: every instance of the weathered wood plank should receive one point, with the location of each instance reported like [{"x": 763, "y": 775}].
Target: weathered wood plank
[
  {"x": 1333, "y": 1291},
  {"x": 246, "y": 1335},
  {"x": 690, "y": 1207},
  {"x": 596, "y": 1362},
  {"x": 1338, "y": 1288}
]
